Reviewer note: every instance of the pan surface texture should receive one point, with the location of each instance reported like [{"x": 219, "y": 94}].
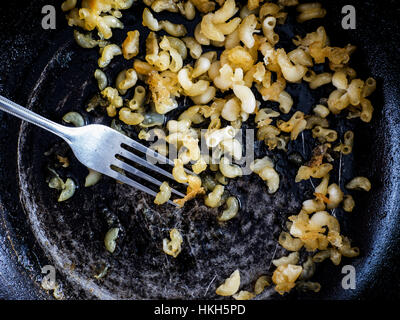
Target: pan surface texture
[{"x": 46, "y": 71}]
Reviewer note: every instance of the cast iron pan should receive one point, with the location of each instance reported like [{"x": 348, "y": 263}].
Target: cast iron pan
[{"x": 46, "y": 71}]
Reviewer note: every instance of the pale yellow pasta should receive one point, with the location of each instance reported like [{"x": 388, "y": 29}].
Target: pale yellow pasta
[
  {"x": 91, "y": 19},
  {"x": 231, "y": 109},
  {"x": 366, "y": 110},
  {"x": 174, "y": 246},
  {"x": 187, "y": 9},
  {"x": 354, "y": 91},
  {"x": 359, "y": 183},
  {"x": 269, "y": 9},
  {"x": 101, "y": 78},
  {"x": 246, "y": 29},
  {"x": 285, "y": 276},
  {"x": 369, "y": 87},
  {"x": 321, "y": 111},
  {"x": 230, "y": 286},
  {"x": 164, "y": 195},
  {"x": 176, "y": 30},
  {"x": 294, "y": 125},
  {"x": 148, "y": 20},
  {"x": 205, "y": 97},
  {"x": 243, "y": 295},
  {"x": 348, "y": 203},
  {"x": 191, "y": 88},
  {"x": 110, "y": 239},
  {"x": 313, "y": 205},
  {"x": 320, "y": 171},
  {"x": 154, "y": 56},
  {"x": 320, "y": 80},
  {"x": 214, "y": 26},
  {"x": 232, "y": 208},
  {"x": 74, "y": 19},
  {"x": 92, "y": 178},
  {"x": 226, "y": 28},
  {"x": 335, "y": 256},
  {"x": 324, "y": 134},
  {"x": 126, "y": 80},
  {"x": 194, "y": 47},
  {"x": 264, "y": 168},
  {"x": 263, "y": 116},
  {"x": 232, "y": 40},
  {"x": 214, "y": 138},
  {"x": 107, "y": 54},
  {"x": 192, "y": 114},
  {"x": 290, "y": 244},
  {"x": 164, "y": 5},
  {"x": 339, "y": 80},
  {"x": 261, "y": 283},
  {"x": 130, "y": 46},
  {"x": 138, "y": 98},
  {"x": 322, "y": 188},
  {"x": 285, "y": 102},
  {"x": 68, "y": 5},
  {"x": 347, "y": 146},
  {"x": 115, "y": 101},
  {"x": 213, "y": 199},
  {"x": 335, "y": 196},
  {"x": 229, "y": 170},
  {"x": 201, "y": 66},
  {"x": 176, "y": 62},
  {"x": 323, "y": 218},
  {"x": 86, "y": 40},
  {"x": 199, "y": 166},
  {"x": 223, "y": 80},
  {"x": 129, "y": 117},
  {"x": 246, "y": 97},
  {"x": 310, "y": 11},
  {"x": 292, "y": 258},
  {"x": 200, "y": 37},
  {"x": 178, "y": 172},
  {"x": 338, "y": 100},
  {"x": 291, "y": 72},
  {"x": 346, "y": 250},
  {"x": 321, "y": 256},
  {"x": 233, "y": 147},
  {"x": 221, "y": 178},
  {"x": 268, "y": 26},
  {"x": 300, "y": 56}
]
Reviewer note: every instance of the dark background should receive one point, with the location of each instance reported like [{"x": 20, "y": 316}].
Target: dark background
[{"x": 22, "y": 44}]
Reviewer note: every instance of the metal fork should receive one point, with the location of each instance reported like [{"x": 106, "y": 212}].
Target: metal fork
[{"x": 100, "y": 148}]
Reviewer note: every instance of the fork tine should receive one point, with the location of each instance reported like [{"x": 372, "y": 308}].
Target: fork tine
[
  {"x": 137, "y": 146},
  {"x": 131, "y": 156},
  {"x": 140, "y": 174},
  {"x": 132, "y": 183}
]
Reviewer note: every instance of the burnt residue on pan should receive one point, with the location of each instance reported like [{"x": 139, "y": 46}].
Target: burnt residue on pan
[{"x": 70, "y": 235}]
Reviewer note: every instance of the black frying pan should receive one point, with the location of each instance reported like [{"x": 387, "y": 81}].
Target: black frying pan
[{"x": 48, "y": 72}]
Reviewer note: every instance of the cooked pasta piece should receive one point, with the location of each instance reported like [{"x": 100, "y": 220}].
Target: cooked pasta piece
[{"x": 230, "y": 286}]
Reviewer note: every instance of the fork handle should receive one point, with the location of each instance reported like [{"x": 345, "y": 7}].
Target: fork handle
[{"x": 32, "y": 117}]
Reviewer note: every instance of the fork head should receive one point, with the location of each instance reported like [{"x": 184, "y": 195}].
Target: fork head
[{"x": 101, "y": 148}]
